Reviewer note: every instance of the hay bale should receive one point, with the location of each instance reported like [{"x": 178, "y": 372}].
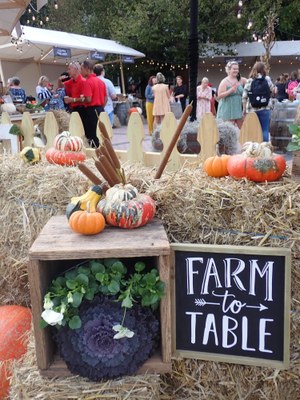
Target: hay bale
[
  {"x": 194, "y": 209},
  {"x": 31, "y": 194}
]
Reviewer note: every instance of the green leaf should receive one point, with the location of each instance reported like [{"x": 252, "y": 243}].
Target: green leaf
[
  {"x": 100, "y": 277},
  {"x": 90, "y": 294},
  {"x": 96, "y": 267},
  {"x": 114, "y": 287},
  {"x": 75, "y": 322},
  {"x": 43, "y": 324},
  {"x": 15, "y": 130},
  {"x": 127, "y": 302},
  {"x": 294, "y": 129},
  {"x": 292, "y": 146},
  {"x": 139, "y": 266},
  {"x": 108, "y": 262},
  {"x": 82, "y": 279},
  {"x": 71, "y": 284},
  {"x": 84, "y": 270},
  {"x": 77, "y": 299},
  {"x": 71, "y": 274},
  {"x": 119, "y": 267},
  {"x": 59, "y": 282}
]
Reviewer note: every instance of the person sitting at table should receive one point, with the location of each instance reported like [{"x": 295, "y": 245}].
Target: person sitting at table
[{"x": 16, "y": 92}]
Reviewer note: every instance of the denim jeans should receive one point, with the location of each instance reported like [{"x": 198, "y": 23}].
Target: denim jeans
[{"x": 264, "y": 117}]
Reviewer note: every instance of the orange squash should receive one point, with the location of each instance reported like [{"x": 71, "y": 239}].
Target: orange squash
[
  {"x": 15, "y": 321},
  {"x": 216, "y": 166},
  {"x": 68, "y": 158},
  {"x": 86, "y": 222}
]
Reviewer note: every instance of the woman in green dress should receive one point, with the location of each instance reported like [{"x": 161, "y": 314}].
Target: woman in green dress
[{"x": 230, "y": 96}]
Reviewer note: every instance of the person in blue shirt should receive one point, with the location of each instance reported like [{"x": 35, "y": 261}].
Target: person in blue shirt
[
  {"x": 17, "y": 93},
  {"x": 149, "y": 102}
]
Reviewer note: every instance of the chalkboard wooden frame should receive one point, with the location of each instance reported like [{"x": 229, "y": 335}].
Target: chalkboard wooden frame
[{"x": 200, "y": 249}]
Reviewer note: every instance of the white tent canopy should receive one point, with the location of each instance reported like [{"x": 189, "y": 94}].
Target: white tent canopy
[
  {"x": 37, "y": 44},
  {"x": 10, "y": 13}
]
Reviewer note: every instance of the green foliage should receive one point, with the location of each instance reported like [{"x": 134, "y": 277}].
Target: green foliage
[
  {"x": 160, "y": 28},
  {"x": 15, "y": 130},
  {"x": 109, "y": 277},
  {"x": 294, "y": 144}
]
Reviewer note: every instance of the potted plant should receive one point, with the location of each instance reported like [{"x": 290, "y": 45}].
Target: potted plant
[
  {"x": 105, "y": 317},
  {"x": 294, "y": 146}
]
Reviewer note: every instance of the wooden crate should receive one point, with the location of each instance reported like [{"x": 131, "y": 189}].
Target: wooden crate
[{"x": 55, "y": 250}]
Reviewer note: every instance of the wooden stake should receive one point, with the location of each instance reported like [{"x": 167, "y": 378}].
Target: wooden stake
[{"x": 175, "y": 137}]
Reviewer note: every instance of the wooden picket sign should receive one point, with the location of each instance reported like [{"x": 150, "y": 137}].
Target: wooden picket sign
[
  {"x": 208, "y": 136},
  {"x": 27, "y": 129},
  {"x": 135, "y": 135},
  {"x": 251, "y": 129},
  {"x": 50, "y": 129}
]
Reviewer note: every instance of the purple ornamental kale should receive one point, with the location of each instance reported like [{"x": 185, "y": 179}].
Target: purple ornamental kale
[{"x": 92, "y": 352}]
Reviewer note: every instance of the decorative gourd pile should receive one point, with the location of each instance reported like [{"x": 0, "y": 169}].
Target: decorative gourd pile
[
  {"x": 257, "y": 163},
  {"x": 123, "y": 206},
  {"x": 67, "y": 150}
]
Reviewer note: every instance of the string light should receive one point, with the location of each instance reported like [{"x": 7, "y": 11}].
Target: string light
[{"x": 55, "y": 5}]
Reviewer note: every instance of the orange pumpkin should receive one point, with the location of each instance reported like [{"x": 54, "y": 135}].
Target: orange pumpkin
[
  {"x": 257, "y": 169},
  {"x": 216, "y": 166},
  {"x": 86, "y": 222},
  {"x": 15, "y": 321},
  {"x": 69, "y": 158}
]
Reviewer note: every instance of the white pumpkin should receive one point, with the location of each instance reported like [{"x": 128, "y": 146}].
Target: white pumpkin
[
  {"x": 10, "y": 108},
  {"x": 65, "y": 142}
]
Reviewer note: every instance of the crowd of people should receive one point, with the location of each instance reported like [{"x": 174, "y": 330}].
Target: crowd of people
[
  {"x": 234, "y": 98},
  {"x": 82, "y": 88},
  {"x": 85, "y": 89}
]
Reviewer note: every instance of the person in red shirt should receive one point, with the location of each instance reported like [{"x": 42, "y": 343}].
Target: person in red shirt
[{"x": 98, "y": 100}]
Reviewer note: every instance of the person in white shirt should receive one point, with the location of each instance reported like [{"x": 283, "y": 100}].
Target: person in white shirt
[{"x": 110, "y": 89}]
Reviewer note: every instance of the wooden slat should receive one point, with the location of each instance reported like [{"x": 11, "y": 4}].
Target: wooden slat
[
  {"x": 135, "y": 135},
  {"x": 50, "y": 129},
  {"x": 27, "y": 129},
  {"x": 165, "y": 309},
  {"x": 76, "y": 126},
  {"x": 167, "y": 131},
  {"x": 57, "y": 242},
  {"x": 208, "y": 136},
  {"x": 251, "y": 129},
  {"x": 154, "y": 365},
  {"x": 296, "y": 165}
]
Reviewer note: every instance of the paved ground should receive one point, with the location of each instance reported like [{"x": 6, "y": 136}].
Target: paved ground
[{"x": 120, "y": 141}]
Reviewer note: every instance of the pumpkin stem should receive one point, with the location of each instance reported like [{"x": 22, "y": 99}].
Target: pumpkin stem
[
  {"x": 122, "y": 175},
  {"x": 88, "y": 207}
]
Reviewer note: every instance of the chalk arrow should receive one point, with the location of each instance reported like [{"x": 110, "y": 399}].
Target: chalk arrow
[
  {"x": 202, "y": 302},
  {"x": 261, "y": 307}
]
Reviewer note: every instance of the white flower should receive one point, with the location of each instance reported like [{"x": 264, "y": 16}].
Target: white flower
[
  {"x": 48, "y": 304},
  {"x": 122, "y": 332},
  {"x": 70, "y": 297},
  {"x": 63, "y": 308},
  {"x": 52, "y": 317}
]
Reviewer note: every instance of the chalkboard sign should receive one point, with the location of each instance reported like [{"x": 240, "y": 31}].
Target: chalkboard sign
[{"x": 232, "y": 304}]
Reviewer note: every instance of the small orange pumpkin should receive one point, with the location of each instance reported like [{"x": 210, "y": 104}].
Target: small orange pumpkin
[
  {"x": 86, "y": 222},
  {"x": 216, "y": 166}
]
